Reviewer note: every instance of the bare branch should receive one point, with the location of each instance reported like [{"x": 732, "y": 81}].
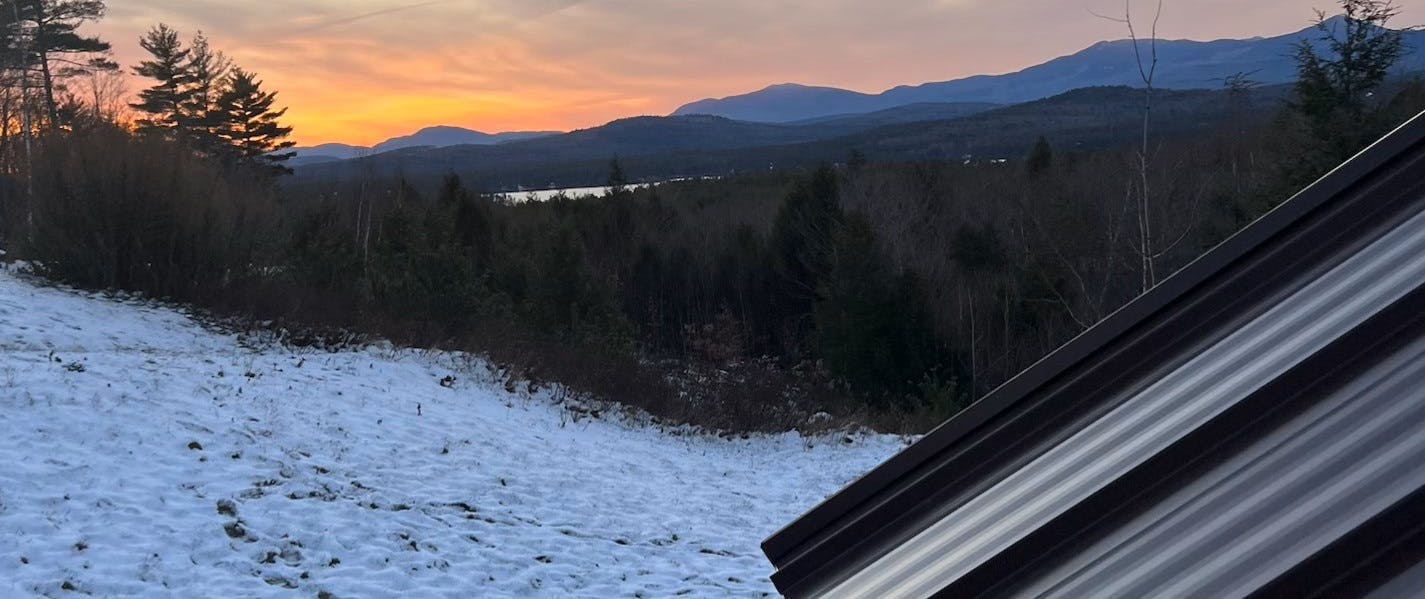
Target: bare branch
[{"x": 1106, "y": 17}]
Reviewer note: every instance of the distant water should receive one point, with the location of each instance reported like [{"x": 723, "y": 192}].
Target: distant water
[
  {"x": 574, "y": 193},
  {"x": 544, "y": 195}
]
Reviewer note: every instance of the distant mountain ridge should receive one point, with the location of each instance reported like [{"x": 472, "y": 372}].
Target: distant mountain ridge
[
  {"x": 663, "y": 148},
  {"x": 994, "y": 123},
  {"x": 445, "y": 136},
  {"x": 441, "y": 136},
  {"x": 1182, "y": 64},
  {"x": 788, "y": 102},
  {"x": 644, "y": 134},
  {"x": 331, "y": 152}
]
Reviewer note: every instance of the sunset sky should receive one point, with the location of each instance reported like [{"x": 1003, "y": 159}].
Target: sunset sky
[{"x": 361, "y": 71}]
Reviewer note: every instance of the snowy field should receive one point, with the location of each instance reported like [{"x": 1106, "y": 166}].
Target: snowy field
[{"x": 144, "y": 455}]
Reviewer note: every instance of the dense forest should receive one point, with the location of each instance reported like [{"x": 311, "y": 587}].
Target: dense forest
[{"x": 879, "y": 292}]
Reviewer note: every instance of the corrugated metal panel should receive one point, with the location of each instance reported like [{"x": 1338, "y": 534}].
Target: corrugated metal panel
[
  {"x": 1151, "y": 420},
  {"x": 1285, "y": 497}
]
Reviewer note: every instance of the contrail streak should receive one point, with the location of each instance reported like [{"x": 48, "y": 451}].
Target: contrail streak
[
  {"x": 376, "y": 13},
  {"x": 558, "y": 6}
]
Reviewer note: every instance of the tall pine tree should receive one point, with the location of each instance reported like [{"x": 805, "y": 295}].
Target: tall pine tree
[
  {"x": 249, "y": 124},
  {"x": 164, "y": 103},
  {"x": 208, "y": 71},
  {"x": 47, "y": 43},
  {"x": 1333, "y": 90},
  {"x": 802, "y": 246}
]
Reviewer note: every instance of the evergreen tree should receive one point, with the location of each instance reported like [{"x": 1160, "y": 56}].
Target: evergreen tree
[
  {"x": 872, "y": 330},
  {"x": 471, "y": 222},
  {"x": 249, "y": 124},
  {"x": 55, "y": 48},
  {"x": 617, "y": 179},
  {"x": 1040, "y": 158},
  {"x": 165, "y": 102},
  {"x": 208, "y": 70},
  {"x": 1333, "y": 91},
  {"x": 801, "y": 245},
  {"x": 558, "y": 291},
  {"x": 803, "y": 234}
]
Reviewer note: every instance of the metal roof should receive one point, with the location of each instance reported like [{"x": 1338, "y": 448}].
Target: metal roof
[{"x": 1065, "y": 454}]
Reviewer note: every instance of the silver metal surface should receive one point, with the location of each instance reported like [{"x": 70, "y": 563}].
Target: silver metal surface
[{"x": 1272, "y": 505}]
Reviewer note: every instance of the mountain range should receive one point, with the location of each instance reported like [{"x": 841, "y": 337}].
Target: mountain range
[
  {"x": 429, "y": 137},
  {"x": 788, "y": 126},
  {"x": 662, "y": 148},
  {"x": 1182, "y": 64}
]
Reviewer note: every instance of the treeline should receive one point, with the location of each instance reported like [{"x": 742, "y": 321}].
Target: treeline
[
  {"x": 200, "y": 98},
  {"x": 885, "y": 293},
  {"x": 65, "y": 116}
]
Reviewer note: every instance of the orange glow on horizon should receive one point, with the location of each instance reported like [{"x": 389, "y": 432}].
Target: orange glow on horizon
[{"x": 363, "y": 71}]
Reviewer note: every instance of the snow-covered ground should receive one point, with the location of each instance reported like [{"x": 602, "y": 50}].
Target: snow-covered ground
[{"x": 144, "y": 455}]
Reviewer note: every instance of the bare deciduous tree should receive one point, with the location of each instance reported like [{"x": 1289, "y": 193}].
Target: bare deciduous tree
[
  {"x": 1151, "y": 244},
  {"x": 105, "y": 93}
]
